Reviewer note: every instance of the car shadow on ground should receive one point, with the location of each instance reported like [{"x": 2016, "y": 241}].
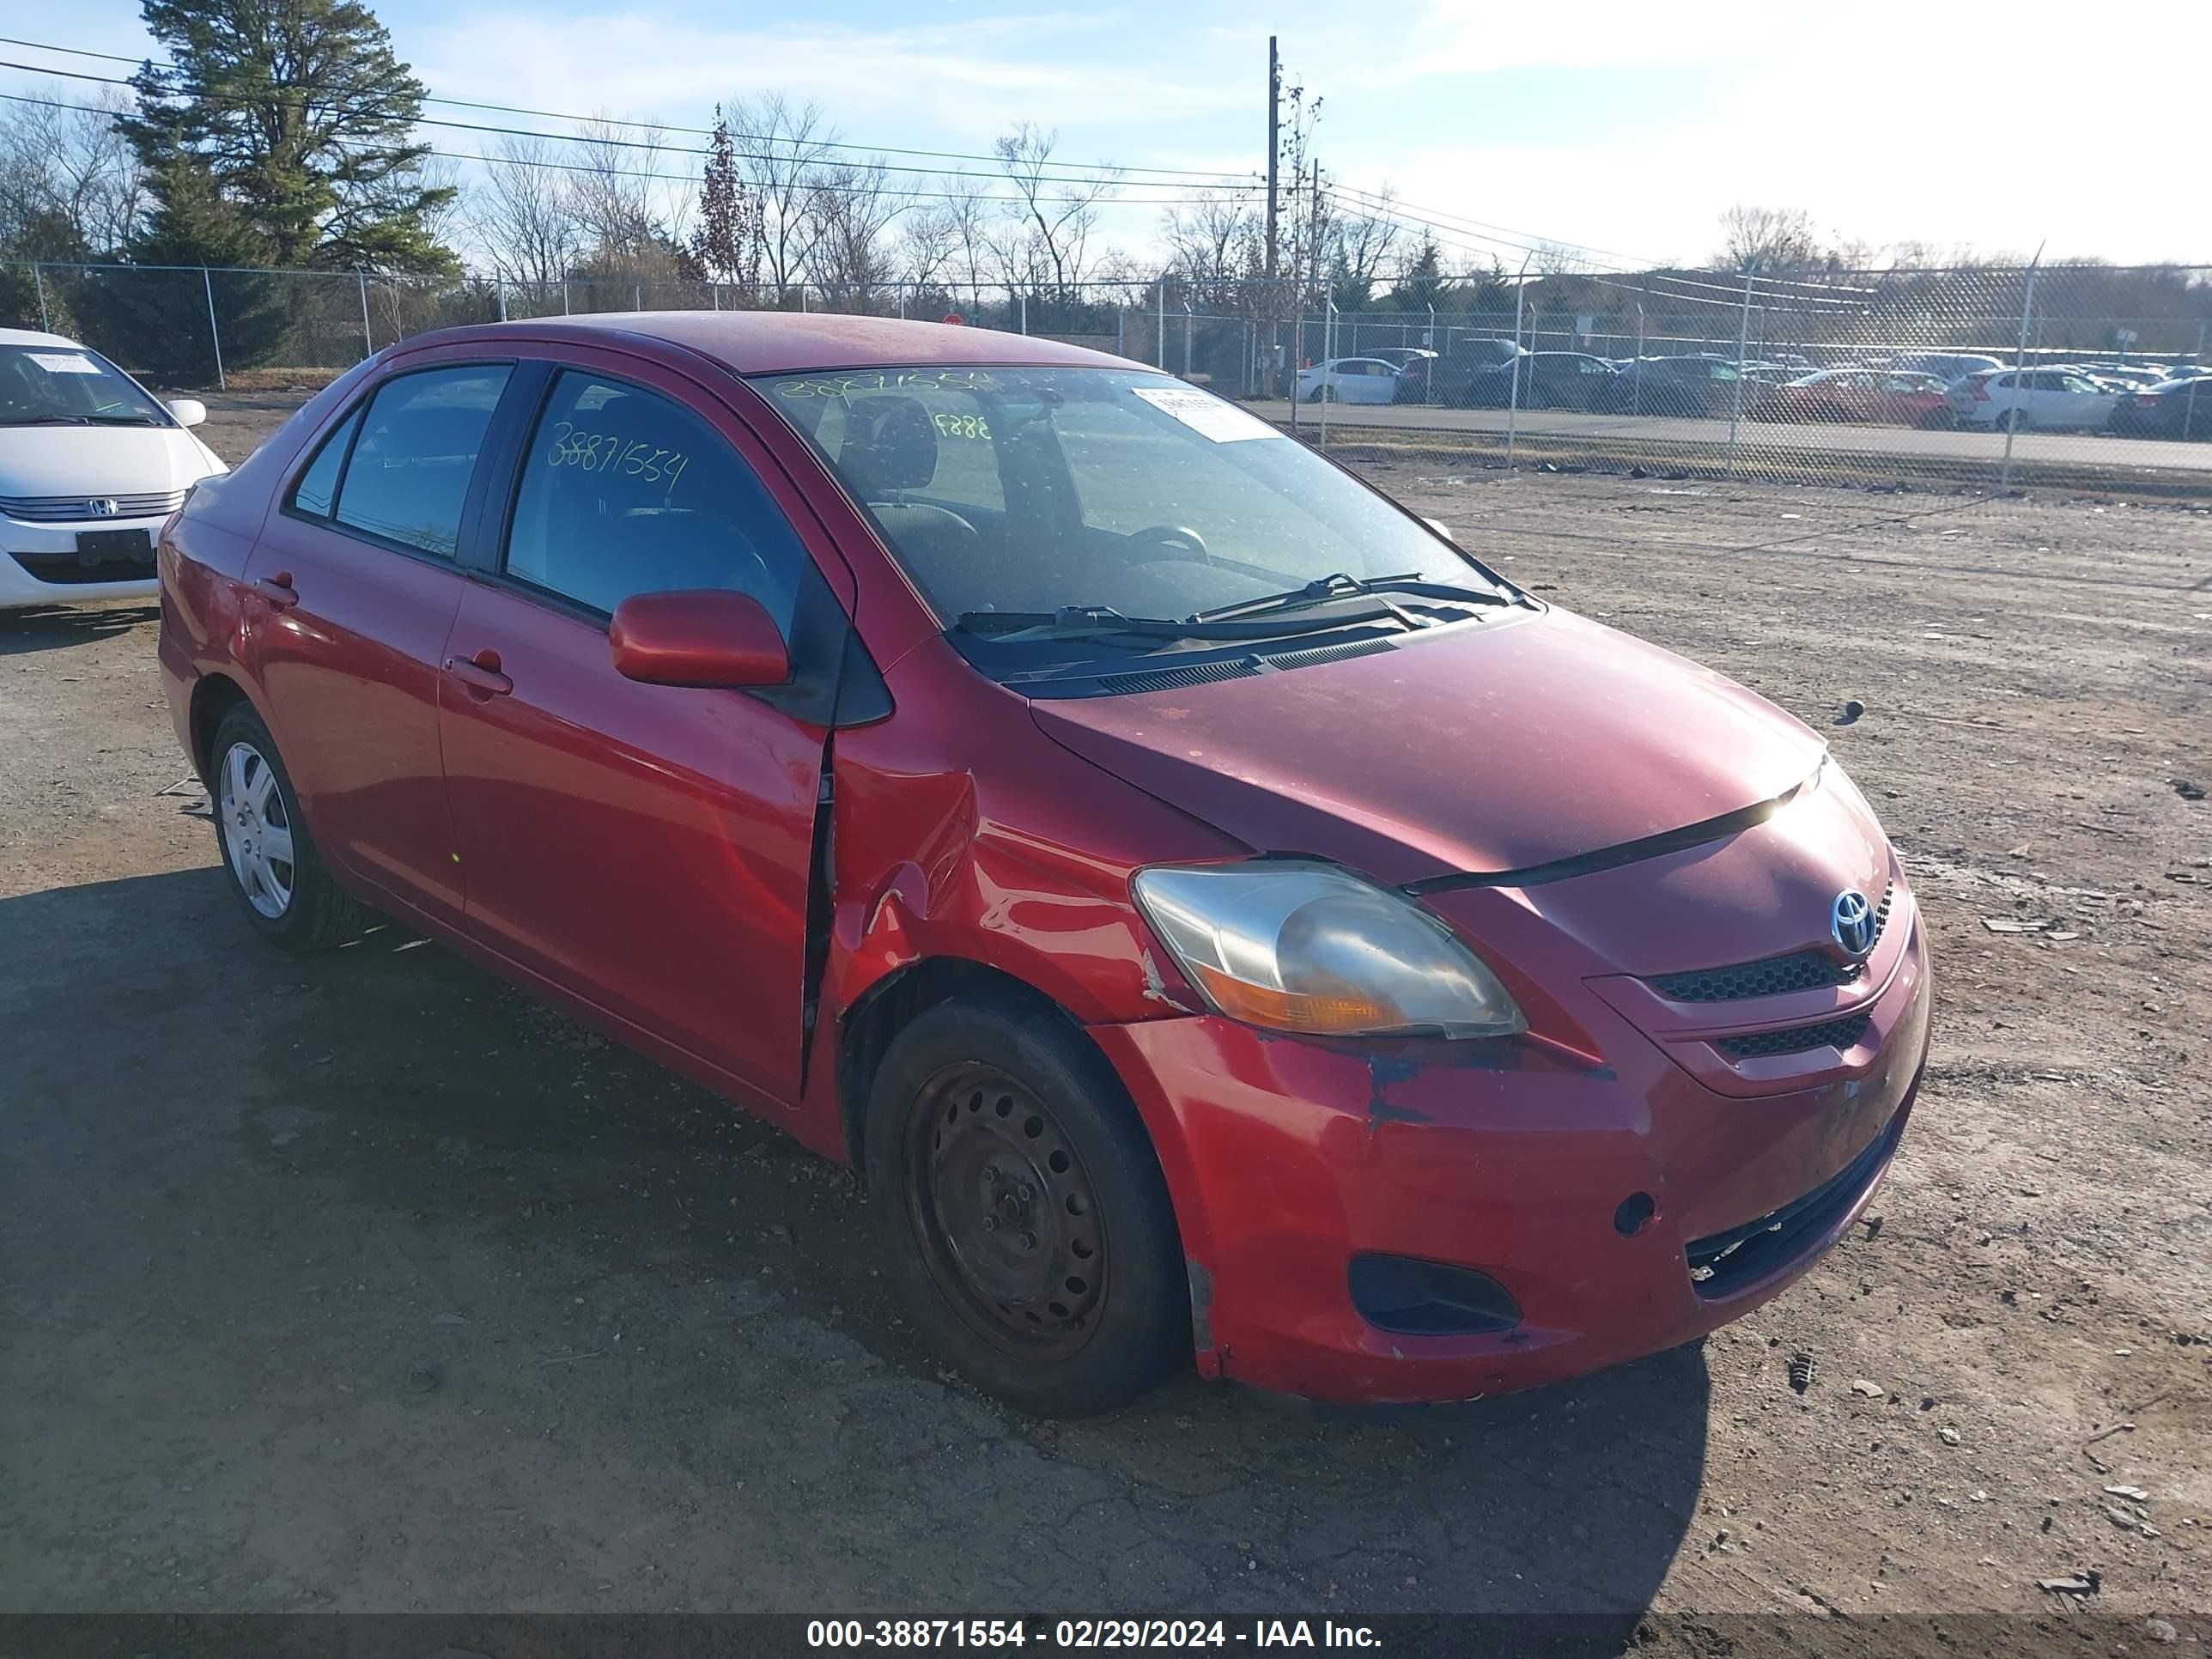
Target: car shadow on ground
[
  {"x": 51, "y": 629},
  {"x": 499, "y": 1207}
]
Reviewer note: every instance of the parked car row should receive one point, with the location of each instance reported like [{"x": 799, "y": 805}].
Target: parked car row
[{"x": 1919, "y": 389}]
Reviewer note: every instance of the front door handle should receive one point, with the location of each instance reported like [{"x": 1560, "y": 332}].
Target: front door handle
[
  {"x": 277, "y": 590},
  {"x": 480, "y": 673}
]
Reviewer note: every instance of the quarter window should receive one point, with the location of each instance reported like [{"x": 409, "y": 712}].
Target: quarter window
[
  {"x": 625, "y": 491},
  {"x": 318, "y": 487},
  {"x": 408, "y": 477}
]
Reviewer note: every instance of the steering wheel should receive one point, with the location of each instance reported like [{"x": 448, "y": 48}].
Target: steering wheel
[{"x": 1173, "y": 535}]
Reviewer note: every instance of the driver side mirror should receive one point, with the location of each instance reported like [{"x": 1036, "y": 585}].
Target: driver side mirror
[
  {"x": 712, "y": 637},
  {"x": 187, "y": 411}
]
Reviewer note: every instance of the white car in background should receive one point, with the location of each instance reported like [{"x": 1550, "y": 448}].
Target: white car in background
[
  {"x": 2042, "y": 398},
  {"x": 91, "y": 463},
  {"x": 1349, "y": 380}
]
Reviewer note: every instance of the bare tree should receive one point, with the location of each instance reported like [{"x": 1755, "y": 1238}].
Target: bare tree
[
  {"x": 611, "y": 194},
  {"x": 851, "y": 210},
  {"x": 1363, "y": 242},
  {"x": 1053, "y": 216},
  {"x": 71, "y": 186},
  {"x": 1210, "y": 242},
  {"x": 969, "y": 215},
  {"x": 524, "y": 216},
  {"x": 1778, "y": 239},
  {"x": 929, "y": 245},
  {"x": 781, "y": 149}
]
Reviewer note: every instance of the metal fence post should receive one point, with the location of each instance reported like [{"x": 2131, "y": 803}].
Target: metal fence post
[
  {"x": 499, "y": 287},
  {"x": 1328, "y": 357},
  {"x": 2189, "y": 409},
  {"x": 1160, "y": 341},
  {"x": 1635, "y": 389},
  {"x": 565, "y": 296},
  {"x": 1429, "y": 383},
  {"x": 1189, "y": 323},
  {"x": 1513, "y": 400},
  {"x": 2019, "y": 373},
  {"x": 1742, "y": 339},
  {"x": 637, "y": 296},
  {"x": 38, "y": 281},
  {"x": 1025, "y": 311},
  {"x": 215, "y": 331},
  {"x": 1120, "y": 316},
  {"x": 367, "y": 334},
  {"x": 902, "y": 294}
]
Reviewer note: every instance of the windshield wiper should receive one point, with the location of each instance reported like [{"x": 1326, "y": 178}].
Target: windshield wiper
[
  {"x": 1342, "y": 586},
  {"x": 1075, "y": 622},
  {"x": 47, "y": 420},
  {"x": 121, "y": 420}
]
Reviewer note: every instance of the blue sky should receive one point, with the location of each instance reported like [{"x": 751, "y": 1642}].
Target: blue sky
[{"x": 1623, "y": 126}]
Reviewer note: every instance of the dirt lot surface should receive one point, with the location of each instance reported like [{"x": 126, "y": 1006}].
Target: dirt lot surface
[{"x": 366, "y": 1283}]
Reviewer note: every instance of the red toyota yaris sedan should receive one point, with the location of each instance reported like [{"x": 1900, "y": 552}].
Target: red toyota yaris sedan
[{"x": 1217, "y": 915}]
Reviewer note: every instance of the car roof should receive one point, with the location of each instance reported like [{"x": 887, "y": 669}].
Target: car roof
[
  {"x": 31, "y": 337},
  {"x": 786, "y": 342}
]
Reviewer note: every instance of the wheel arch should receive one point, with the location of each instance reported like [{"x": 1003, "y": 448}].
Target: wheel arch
[
  {"x": 215, "y": 695},
  {"x": 866, "y": 1029}
]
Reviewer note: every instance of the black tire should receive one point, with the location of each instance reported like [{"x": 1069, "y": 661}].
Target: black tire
[
  {"x": 995, "y": 1098},
  {"x": 316, "y": 913}
]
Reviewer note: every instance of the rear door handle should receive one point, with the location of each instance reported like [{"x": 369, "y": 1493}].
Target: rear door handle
[
  {"x": 277, "y": 590},
  {"x": 480, "y": 673}
]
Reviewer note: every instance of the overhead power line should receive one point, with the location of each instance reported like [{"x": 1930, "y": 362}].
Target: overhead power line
[
  {"x": 619, "y": 121},
  {"x": 538, "y": 164}
]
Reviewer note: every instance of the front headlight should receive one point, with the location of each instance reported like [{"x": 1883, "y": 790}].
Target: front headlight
[{"x": 1310, "y": 948}]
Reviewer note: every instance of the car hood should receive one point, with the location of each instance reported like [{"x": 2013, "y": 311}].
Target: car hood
[
  {"x": 1494, "y": 747},
  {"x": 100, "y": 461}
]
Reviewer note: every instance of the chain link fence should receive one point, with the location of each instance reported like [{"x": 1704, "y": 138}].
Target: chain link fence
[
  {"x": 2087, "y": 376},
  {"x": 1984, "y": 377}
]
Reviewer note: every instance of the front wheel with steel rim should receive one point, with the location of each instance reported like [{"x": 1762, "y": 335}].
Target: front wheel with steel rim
[
  {"x": 267, "y": 850},
  {"x": 1024, "y": 1209}
]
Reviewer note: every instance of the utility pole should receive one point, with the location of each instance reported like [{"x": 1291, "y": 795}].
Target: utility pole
[{"x": 1274, "y": 144}]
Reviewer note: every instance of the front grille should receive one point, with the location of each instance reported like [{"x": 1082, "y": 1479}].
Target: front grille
[
  {"x": 1726, "y": 1262},
  {"x": 68, "y": 569},
  {"x": 1829, "y": 1034},
  {"x": 78, "y": 509},
  {"x": 1771, "y": 977}
]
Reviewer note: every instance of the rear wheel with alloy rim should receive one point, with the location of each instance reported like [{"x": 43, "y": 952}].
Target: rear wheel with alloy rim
[
  {"x": 267, "y": 850},
  {"x": 1024, "y": 1209}
]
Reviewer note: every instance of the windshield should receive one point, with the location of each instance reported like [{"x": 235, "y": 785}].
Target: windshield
[
  {"x": 46, "y": 384},
  {"x": 1037, "y": 489}
]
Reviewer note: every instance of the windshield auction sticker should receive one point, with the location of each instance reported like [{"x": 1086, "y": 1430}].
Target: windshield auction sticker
[
  {"x": 1205, "y": 413},
  {"x": 63, "y": 363}
]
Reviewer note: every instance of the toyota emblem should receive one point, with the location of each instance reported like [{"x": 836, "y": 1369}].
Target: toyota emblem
[{"x": 1851, "y": 920}]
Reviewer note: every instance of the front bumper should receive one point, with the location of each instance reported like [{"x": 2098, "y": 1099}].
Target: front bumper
[
  {"x": 1287, "y": 1158},
  {"x": 39, "y": 564}
]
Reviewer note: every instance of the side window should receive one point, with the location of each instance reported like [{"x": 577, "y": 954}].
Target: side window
[
  {"x": 419, "y": 440},
  {"x": 318, "y": 487},
  {"x": 625, "y": 491}
]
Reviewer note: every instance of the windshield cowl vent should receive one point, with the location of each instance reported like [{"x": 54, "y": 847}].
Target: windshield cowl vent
[
  {"x": 1319, "y": 654},
  {"x": 1175, "y": 679}
]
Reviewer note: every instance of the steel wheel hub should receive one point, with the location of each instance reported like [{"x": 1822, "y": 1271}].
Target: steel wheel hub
[
  {"x": 257, "y": 831},
  {"x": 1005, "y": 1212}
]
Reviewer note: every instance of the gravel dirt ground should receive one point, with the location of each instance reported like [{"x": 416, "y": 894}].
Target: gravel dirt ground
[{"x": 366, "y": 1283}]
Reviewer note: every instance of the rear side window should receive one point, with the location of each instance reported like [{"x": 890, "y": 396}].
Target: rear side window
[
  {"x": 625, "y": 491},
  {"x": 317, "y": 488},
  {"x": 420, "y": 437}
]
